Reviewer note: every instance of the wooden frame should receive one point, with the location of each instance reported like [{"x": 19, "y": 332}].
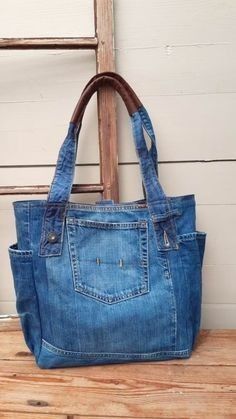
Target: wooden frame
[{"x": 102, "y": 43}]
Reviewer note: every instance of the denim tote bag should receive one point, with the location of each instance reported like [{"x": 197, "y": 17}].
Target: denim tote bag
[{"x": 108, "y": 282}]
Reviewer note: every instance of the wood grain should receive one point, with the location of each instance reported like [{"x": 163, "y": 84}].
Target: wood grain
[
  {"x": 43, "y": 189},
  {"x": 14, "y": 348},
  {"x": 9, "y": 324},
  {"x": 105, "y": 61},
  {"x": 201, "y": 386},
  {"x": 48, "y": 43},
  {"x": 21, "y": 415}
]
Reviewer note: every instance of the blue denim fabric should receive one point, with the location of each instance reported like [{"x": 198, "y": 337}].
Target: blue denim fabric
[{"x": 106, "y": 282}]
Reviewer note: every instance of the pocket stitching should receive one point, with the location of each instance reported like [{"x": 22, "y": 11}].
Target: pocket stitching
[
  {"x": 80, "y": 287},
  {"x": 15, "y": 252}
]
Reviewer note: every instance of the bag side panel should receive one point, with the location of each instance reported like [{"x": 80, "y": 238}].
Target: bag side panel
[
  {"x": 26, "y": 298},
  {"x": 191, "y": 251}
]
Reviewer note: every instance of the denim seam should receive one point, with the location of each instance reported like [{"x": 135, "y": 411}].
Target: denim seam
[
  {"x": 168, "y": 277},
  {"x": 39, "y": 316},
  {"x": 106, "y": 224},
  {"x": 19, "y": 253},
  {"x": 191, "y": 236},
  {"x": 35, "y": 290},
  {"x": 72, "y": 259},
  {"x": 187, "y": 203},
  {"x": 107, "y": 208},
  {"x": 28, "y": 224},
  {"x": 162, "y": 262},
  {"x": 167, "y": 215},
  {"x": 189, "y": 327},
  {"x": 144, "y": 254},
  {"x": 89, "y": 293},
  {"x": 134, "y": 355},
  {"x": 174, "y": 304}
]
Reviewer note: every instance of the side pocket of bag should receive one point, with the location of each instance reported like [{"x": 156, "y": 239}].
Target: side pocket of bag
[
  {"x": 192, "y": 252},
  {"x": 197, "y": 292},
  {"x": 201, "y": 240},
  {"x": 26, "y": 298}
]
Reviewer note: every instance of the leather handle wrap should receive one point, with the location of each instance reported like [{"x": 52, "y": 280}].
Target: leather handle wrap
[
  {"x": 131, "y": 101},
  {"x": 121, "y": 80}
]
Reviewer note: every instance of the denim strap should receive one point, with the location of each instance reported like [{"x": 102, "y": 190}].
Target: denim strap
[
  {"x": 158, "y": 204},
  {"x": 58, "y": 196},
  {"x": 147, "y": 125},
  {"x": 142, "y": 111}
]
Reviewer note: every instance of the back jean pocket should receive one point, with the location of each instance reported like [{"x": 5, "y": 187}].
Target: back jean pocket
[{"x": 109, "y": 260}]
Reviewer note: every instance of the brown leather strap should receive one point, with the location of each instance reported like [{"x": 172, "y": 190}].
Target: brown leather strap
[
  {"x": 131, "y": 104},
  {"x": 122, "y": 81}
]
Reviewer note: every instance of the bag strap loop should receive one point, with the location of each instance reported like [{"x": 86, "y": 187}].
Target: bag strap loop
[
  {"x": 142, "y": 111},
  {"x": 57, "y": 203}
]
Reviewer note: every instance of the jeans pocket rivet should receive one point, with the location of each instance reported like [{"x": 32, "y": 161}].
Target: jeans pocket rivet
[{"x": 52, "y": 237}]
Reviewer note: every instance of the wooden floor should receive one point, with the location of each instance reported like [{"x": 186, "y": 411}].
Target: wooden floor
[{"x": 203, "y": 386}]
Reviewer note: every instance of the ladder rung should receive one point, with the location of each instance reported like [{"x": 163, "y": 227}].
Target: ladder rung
[
  {"x": 44, "y": 189},
  {"x": 49, "y": 43}
]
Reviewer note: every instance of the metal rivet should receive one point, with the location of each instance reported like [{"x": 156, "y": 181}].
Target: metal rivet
[
  {"x": 166, "y": 240},
  {"x": 52, "y": 237}
]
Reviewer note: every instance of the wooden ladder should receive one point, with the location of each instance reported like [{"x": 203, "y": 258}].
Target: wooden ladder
[{"x": 102, "y": 43}]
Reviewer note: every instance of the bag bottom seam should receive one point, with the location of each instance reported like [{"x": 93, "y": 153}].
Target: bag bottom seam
[{"x": 61, "y": 352}]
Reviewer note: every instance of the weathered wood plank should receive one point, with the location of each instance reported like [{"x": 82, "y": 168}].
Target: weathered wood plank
[
  {"x": 42, "y": 189},
  {"x": 155, "y": 403},
  {"x": 214, "y": 347},
  {"x": 209, "y": 351},
  {"x": 13, "y": 347},
  {"x": 48, "y": 43},
  {"x": 125, "y": 377},
  {"x": 131, "y": 381},
  {"x": 9, "y": 324},
  {"x": 105, "y": 61},
  {"x": 205, "y": 387},
  {"x": 21, "y": 415}
]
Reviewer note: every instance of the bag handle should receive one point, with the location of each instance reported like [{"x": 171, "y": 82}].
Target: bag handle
[
  {"x": 159, "y": 205},
  {"x": 92, "y": 87},
  {"x": 120, "y": 80},
  {"x": 142, "y": 111},
  {"x": 132, "y": 102}
]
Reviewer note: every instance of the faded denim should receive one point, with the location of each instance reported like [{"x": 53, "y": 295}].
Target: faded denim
[{"x": 106, "y": 282}]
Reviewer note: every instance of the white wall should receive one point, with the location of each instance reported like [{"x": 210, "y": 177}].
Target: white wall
[{"x": 179, "y": 56}]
